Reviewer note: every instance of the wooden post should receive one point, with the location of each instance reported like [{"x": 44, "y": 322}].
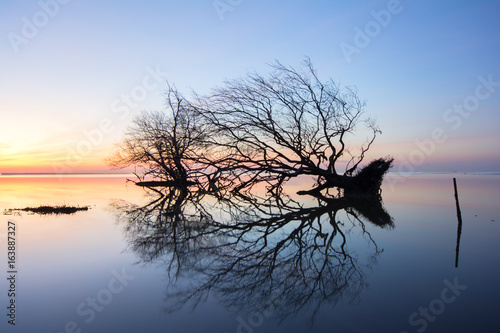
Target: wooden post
[{"x": 459, "y": 227}]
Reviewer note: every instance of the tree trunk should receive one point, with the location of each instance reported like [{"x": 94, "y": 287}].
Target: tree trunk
[{"x": 366, "y": 182}]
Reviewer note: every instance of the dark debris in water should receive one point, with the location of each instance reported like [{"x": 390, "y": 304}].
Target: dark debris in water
[{"x": 47, "y": 210}]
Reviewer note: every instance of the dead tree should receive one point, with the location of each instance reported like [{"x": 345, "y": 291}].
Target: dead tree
[
  {"x": 259, "y": 129},
  {"x": 291, "y": 124},
  {"x": 165, "y": 145}
]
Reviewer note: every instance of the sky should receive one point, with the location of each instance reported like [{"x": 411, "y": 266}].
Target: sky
[{"x": 74, "y": 73}]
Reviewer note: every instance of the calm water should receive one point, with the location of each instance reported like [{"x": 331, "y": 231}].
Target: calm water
[{"x": 137, "y": 262}]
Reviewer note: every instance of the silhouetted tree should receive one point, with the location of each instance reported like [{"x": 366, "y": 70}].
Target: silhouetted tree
[
  {"x": 165, "y": 145},
  {"x": 290, "y": 124},
  {"x": 259, "y": 129}
]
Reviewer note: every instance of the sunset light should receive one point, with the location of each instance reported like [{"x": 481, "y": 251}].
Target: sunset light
[
  {"x": 71, "y": 76},
  {"x": 254, "y": 166}
]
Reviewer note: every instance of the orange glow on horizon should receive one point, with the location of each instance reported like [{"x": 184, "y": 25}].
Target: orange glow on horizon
[
  {"x": 27, "y": 166},
  {"x": 52, "y": 160}
]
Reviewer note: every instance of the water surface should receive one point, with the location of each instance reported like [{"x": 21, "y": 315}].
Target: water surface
[{"x": 131, "y": 265}]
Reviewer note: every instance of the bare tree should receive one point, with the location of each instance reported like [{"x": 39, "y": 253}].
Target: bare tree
[
  {"x": 165, "y": 145},
  {"x": 289, "y": 124},
  {"x": 259, "y": 129}
]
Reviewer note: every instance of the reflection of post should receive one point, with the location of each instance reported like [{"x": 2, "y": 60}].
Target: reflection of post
[{"x": 459, "y": 216}]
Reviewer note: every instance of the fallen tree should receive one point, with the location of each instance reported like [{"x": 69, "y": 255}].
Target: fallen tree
[
  {"x": 259, "y": 129},
  {"x": 289, "y": 124}
]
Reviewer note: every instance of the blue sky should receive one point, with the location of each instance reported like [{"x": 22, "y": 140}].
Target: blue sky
[{"x": 70, "y": 70}]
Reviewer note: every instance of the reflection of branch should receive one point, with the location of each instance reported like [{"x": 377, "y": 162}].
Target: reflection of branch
[
  {"x": 163, "y": 226},
  {"x": 256, "y": 250}
]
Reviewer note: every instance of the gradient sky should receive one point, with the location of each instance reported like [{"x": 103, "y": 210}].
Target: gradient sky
[{"x": 74, "y": 73}]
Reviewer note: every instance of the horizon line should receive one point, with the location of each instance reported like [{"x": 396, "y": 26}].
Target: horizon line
[
  {"x": 63, "y": 173},
  {"x": 130, "y": 173}
]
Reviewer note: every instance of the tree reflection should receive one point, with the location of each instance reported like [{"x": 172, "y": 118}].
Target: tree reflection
[{"x": 268, "y": 252}]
